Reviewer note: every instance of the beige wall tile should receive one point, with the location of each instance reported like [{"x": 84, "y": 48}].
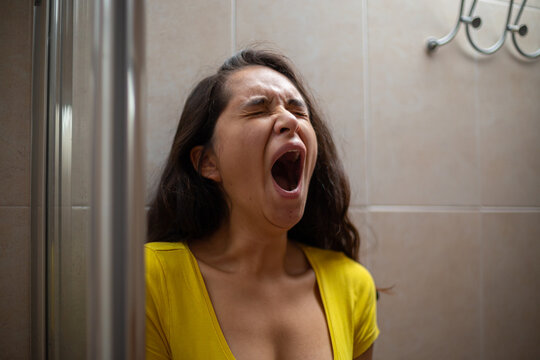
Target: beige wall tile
[
  {"x": 185, "y": 41},
  {"x": 325, "y": 43},
  {"x": 511, "y": 253},
  {"x": 15, "y": 92},
  {"x": 509, "y": 110},
  {"x": 368, "y": 241},
  {"x": 432, "y": 260},
  {"x": 15, "y": 282},
  {"x": 359, "y": 219},
  {"x": 422, "y": 141}
]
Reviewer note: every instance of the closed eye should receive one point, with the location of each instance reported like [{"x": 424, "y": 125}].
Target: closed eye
[
  {"x": 256, "y": 113},
  {"x": 300, "y": 113},
  {"x": 255, "y": 106},
  {"x": 298, "y": 108}
]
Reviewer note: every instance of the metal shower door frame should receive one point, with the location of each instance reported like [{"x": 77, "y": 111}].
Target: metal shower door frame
[{"x": 115, "y": 268}]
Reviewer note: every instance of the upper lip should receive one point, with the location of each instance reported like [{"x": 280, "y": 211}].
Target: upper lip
[{"x": 295, "y": 145}]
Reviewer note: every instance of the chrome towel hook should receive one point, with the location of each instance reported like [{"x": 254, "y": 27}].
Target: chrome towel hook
[
  {"x": 495, "y": 47},
  {"x": 522, "y": 31},
  {"x": 475, "y": 21}
]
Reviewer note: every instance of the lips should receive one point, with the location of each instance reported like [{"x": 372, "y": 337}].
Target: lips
[{"x": 287, "y": 168}]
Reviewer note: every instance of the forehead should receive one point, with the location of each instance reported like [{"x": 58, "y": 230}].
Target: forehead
[{"x": 260, "y": 80}]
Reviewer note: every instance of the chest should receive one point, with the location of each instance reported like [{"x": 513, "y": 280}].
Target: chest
[{"x": 281, "y": 320}]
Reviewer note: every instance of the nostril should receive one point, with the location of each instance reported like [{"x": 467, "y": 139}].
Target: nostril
[{"x": 286, "y": 122}]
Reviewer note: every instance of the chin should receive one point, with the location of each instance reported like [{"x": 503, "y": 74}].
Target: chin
[{"x": 287, "y": 218}]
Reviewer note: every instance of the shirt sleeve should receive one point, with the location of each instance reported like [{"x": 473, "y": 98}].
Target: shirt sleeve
[
  {"x": 157, "y": 345},
  {"x": 365, "y": 315}
]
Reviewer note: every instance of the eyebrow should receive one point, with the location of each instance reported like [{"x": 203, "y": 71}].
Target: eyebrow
[
  {"x": 261, "y": 100},
  {"x": 297, "y": 102},
  {"x": 255, "y": 101}
]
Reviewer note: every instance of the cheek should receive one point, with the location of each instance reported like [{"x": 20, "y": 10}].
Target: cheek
[
  {"x": 313, "y": 146},
  {"x": 239, "y": 153},
  {"x": 246, "y": 143},
  {"x": 252, "y": 142}
]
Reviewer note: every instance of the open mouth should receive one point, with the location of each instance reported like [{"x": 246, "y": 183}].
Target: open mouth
[{"x": 287, "y": 170}]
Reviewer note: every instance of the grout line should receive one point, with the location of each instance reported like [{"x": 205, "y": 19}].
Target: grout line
[
  {"x": 358, "y": 207},
  {"x": 509, "y": 209},
  {"x": 233, "y": 27},
  {"x": 450, "y": 208},
  {"x": 481, "y": 289},
  {"x": 420, "y": 208},
  {"x": 480, "y": 191},
  {"x": 394, "y": 208},
  {"x": 477, "y": 116},
  {"x": 4, "y": 207},
  {"x": 366, "y": 98}
]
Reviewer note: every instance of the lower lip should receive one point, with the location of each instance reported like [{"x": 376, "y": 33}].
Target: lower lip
[{"x": 293, "y": 194}]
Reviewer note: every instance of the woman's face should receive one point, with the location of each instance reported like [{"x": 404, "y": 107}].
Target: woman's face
[{"x": 264, "y": 148}]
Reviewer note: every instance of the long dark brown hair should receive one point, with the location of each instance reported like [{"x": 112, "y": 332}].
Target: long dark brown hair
[{"x": 187, "y": 206}]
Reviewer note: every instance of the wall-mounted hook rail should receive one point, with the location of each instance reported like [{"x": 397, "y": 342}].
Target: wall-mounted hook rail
[
  {"x": 495, "y": 47},
  {"x": 522, "y": 31},
  {"x": 475, "y": 21}
]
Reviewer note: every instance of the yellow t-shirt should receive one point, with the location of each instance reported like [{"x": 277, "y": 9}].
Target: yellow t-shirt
[{"x": 181, "y": 322}]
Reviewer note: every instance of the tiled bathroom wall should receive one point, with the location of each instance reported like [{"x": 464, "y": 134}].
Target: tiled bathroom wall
[
  {"x": 442, "y": 150},
  {"x": 443, "y": 154},
  {"x": 15, "y": 100}
]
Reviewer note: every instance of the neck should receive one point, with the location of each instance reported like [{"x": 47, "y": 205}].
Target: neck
[{"x": 242, "y": 248}]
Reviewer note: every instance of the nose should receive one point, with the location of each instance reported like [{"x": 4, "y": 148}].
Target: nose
[{"x": 286, "y": 122}]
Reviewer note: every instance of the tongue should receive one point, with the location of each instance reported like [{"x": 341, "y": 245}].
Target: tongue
[{"x": 284, "y": 171}]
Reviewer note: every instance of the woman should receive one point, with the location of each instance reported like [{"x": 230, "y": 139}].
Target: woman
[{"x": 250, "y": 252}]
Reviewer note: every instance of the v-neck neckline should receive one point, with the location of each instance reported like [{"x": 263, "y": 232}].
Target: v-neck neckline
[{"x": 217, "y": 327}]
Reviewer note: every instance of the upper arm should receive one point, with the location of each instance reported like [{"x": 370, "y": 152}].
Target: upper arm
[
  {"x": 365, "y": 314},
  {"x": 157, "y": 346}
]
